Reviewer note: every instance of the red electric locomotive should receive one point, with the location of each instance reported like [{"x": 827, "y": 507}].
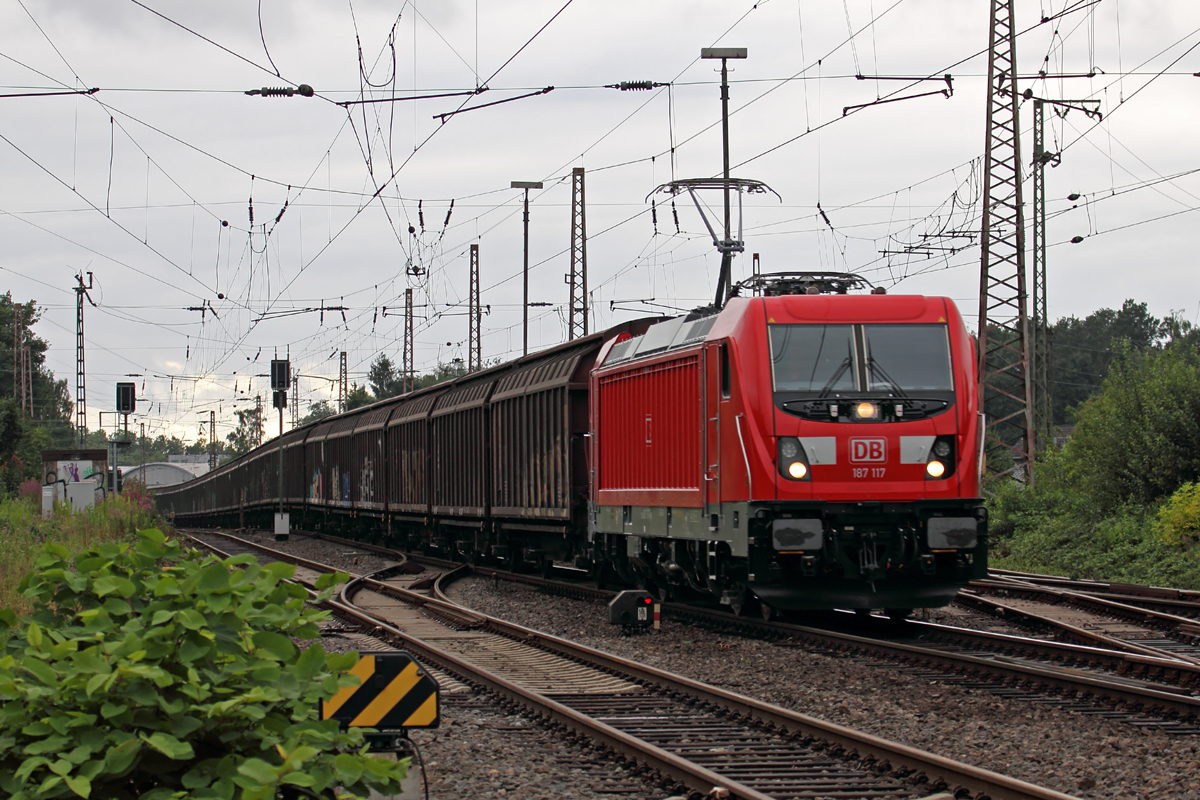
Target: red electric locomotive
[{"x": 806, "y": 449}]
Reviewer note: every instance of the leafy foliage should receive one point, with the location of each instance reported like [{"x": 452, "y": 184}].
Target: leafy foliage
[
  {"x": 1139, "y": 439},
  {"x": 1179, "y": 517},
  {"x": 135, "y": 680},
  {"x": 1119, "y": 500}
]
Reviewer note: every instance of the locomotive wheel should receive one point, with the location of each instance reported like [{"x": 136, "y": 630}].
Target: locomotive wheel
[{"x": 898, "y": 614}]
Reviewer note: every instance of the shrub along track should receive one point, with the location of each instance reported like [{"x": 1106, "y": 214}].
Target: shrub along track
[{"x": 690, "y": 734}]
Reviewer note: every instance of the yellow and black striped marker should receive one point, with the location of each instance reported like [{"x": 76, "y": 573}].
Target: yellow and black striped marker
[{"x": 394, "y": 693}]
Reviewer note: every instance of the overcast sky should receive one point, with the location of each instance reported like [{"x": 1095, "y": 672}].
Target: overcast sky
[{"x": 135, "y": 182}]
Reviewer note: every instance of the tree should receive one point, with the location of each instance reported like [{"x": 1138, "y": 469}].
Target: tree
[
  {"x": 1138, "y": 439},
  {"x": 1083, "y": 349},
  {"x": 442, "y": 372},
  {"x": 52, "y": 406},
  {"x": 249, "y": 431},
  {"x": 21, "y": 445},
  {"x": 318, "y": 411},
  {"x": 383, "y": 379},
  {"x": 358, "y": 397}
]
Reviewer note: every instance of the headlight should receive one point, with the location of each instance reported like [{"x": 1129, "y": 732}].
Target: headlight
[
  {"x": 792, "y": 460},
  {"x": 866, "y": 411},
  {"x": 941, "y": 459}
]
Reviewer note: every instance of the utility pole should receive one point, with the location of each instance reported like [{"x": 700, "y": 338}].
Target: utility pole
[
  {"x": 474, "y": 317},
  {"x": 142, "y": 439},
  {"x": 281, "y": 376},
  {"x": 212, "y": 440},
  {"x": 81, "y": 292},
  {"x": 258, "y": 421},
  {"x": 1039, "y": 352},
  {"x": 1040, "y": 349},
  {"x": 27, "y": 375},
  {"x": 408, "y": 381},
  {"x": 526, "y": 185},
  {"x": 1005, "y": 382},
  {"x": 577, "y": 324},
  {"x": 343, "y": 390},
  {"x": 18, "y": 362},
  {"x": 724, "y": 282}
]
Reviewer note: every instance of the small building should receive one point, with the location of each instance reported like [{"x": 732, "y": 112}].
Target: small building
[
  {"x": 73, "y": 466},
  {"x": 161, "y": 473}
]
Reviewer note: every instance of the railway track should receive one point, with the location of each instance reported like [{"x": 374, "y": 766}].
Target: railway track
[
  {"x": 1096, "y": 618},
  {"x": 693, "y": 735},
  {"x": 1148, "y": 690}
]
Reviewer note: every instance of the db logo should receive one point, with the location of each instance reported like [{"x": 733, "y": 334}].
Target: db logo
[{"x": 868, "y": 451}]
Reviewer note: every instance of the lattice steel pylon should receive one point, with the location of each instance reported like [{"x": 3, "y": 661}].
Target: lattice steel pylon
[
  {"x": 212, "y": 440},
  {"x": 81, "y": 292},
  {"x": 408, "y": 381},
  {"x": 295, "y": 399},
  {"x": 1005, "y": 382},
  {"x": 343, "y": 388},
  {"x": 577, "y": 324},
  {"x": 257, "y": 437},
  {"x": 474, "y": 317},
  {"x": 1039, "y": 351}
]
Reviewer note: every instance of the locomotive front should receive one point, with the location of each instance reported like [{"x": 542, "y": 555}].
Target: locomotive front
[
  {"x": 798, "y": 450},
  {"x": 874, "y": 416}
]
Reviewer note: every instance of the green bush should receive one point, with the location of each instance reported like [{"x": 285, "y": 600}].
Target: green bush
[
  {"x": 1179, "y": 517},
  {"x": 1138, "y": 440},
  {"x": 147, "y": 672}
]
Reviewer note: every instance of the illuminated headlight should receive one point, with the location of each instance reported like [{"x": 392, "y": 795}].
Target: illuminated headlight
[
  {"x": 866, "y": 411},
  {"x": 941, "y": 459},
  {"x": 793, "y": 461}
]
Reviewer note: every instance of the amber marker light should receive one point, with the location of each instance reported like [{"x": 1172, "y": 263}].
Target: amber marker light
[
  {"x": 936, "y": 469},
  {"x": 866, "y": 410},
  {"x": 797, "y": 470}
]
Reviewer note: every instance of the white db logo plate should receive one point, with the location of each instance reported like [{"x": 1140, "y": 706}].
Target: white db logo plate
[{"x": 868, "y": 451}]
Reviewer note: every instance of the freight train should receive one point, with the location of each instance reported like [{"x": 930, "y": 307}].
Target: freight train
[{"x": 807, "y": 447}]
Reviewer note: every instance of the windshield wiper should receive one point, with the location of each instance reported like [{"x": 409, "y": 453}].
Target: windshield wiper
[
  {"x": 875, "y": 369},
  {"x": 841, "y": 370}
]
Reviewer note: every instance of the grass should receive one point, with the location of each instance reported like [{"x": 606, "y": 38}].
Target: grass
[{"x": 24, "y": 532}]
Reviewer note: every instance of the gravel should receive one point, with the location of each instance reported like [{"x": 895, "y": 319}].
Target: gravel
[
  {"x": 482, "y": 751},
  {"x": 1086, "y": 756},
  {"x": 341, "y": 556}
]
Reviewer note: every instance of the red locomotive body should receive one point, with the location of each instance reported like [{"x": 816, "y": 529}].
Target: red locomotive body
[{"x": 801, "y": 451}]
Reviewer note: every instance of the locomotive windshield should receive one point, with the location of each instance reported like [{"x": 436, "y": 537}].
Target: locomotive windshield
[
  {"x": 907, "y": 358},
  {"x": 813, "y": 358},
  {"x": 820, "y": 360}
]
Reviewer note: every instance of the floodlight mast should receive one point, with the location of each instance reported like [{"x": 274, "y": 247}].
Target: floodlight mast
[{"x": 726, "y": 247}]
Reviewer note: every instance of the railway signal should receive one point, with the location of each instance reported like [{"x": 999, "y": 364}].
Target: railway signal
[{"x": 634, "y": 610}]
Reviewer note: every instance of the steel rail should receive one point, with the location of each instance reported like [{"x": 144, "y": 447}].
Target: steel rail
[
  {"x": 1090, "y": 604},
  {"x": 1115, "y": 689},
  {"x": 1094, "y": 602}
]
